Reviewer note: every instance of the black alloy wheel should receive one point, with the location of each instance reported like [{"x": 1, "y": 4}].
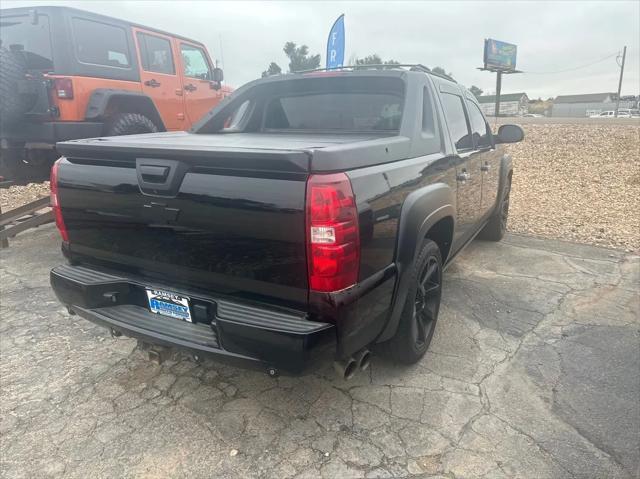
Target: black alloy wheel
[
  {"x": 427, "y": 301},
  {"x": 419, "y": 315}
]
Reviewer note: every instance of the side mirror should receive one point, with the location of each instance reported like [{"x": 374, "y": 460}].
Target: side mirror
[
  {"x": 218, "y": 76},
  {"x": 509, "y": 134}
]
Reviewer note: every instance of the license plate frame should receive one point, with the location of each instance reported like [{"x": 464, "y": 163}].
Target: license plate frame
[{"x": 169, "y": 304}]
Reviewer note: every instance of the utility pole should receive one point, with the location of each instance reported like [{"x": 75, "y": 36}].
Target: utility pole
[
  {"x": 496, "y": 111},
  {"x": 624, "y": 54}
]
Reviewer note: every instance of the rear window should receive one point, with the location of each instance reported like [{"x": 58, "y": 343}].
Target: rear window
[
  {"x": 336, "y": 103},
  {"x": 101, "y": 44},
  {"x": 351, "y": 111},
  {"x": 29, "y": 35}
]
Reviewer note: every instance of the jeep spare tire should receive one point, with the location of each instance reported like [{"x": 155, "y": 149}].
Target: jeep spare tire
[
  {"x": 130, "y": 124},
  {"x": 12, "y": 73}
]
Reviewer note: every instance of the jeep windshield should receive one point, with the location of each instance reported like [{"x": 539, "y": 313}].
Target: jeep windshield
[{"x": 29, "y": 35}]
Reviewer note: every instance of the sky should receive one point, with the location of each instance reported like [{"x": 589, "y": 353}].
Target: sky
[{"x": 552, "y": 37}]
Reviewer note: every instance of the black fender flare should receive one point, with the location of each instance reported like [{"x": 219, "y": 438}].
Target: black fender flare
[
  {"x": 506, "y": 168},
  {"x": 421, "y": 210},
  {"x": 135, "y": 101}
]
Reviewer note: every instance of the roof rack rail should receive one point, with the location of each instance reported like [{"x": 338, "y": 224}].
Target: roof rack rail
[{"x": 414, "y": 67}]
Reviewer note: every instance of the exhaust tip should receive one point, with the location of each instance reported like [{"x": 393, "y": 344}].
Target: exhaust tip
[
  {"x": 346, "y": 368},
  {"x": 364, "y": 359}
]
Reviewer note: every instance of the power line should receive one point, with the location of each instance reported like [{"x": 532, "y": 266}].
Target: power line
[{"x": 575, "y": 68}]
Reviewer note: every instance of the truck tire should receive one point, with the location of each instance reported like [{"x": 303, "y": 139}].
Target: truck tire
[
  {"x": 12, "y": 72},
  {"x": 130, "y": 124},
  {"x": 496, "y": 227},
  {"x": 420, "y": 313}
]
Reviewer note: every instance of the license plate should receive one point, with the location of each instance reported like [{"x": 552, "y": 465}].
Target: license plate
[{"x": 169, "y": 304}]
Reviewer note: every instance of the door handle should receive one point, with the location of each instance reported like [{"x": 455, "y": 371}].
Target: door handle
[
  {"x": 485, "y": 167},
  {"x": 152, "y": 83},
  {"x": 463, "y": 177},
  {"x": 190, "y": 87}
]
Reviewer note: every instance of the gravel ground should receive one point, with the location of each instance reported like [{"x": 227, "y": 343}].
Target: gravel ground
[
  {"x": 19, "y": 195},
  {"x": 578, "y": 182},
  {"x": 575, "y": 180}
]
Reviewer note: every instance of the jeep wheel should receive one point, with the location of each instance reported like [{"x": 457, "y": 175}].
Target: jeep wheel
[
  {"x": 130, "y": 124},
  {"x": 12, "y": 72},
  {"x": 420, "y": 312},
  {"x": 496, "y": 227}
]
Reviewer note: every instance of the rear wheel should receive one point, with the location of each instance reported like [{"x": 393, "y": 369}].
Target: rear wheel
[
  {"x": 420, "y": 312},
  {"x": 496, "y": 227},
  {"x": 130, "y": 124}
]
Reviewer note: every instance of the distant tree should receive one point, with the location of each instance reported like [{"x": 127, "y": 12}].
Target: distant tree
[
  {"x": 374, "y": 60},
  {"x": 475, "y": 90},
  {"x": 274, "y": 69},
  {"x": 441, "y": 71},
  {"x": 299, "y": 58}
]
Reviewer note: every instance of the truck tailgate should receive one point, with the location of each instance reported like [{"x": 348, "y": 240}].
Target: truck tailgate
[{"x": 228, "y": 220}]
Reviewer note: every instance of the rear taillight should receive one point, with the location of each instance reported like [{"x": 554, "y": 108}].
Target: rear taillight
[
  {"x": 333, "y": 240},
  {"x": 55, "y": 202},
  {"x": 64, "y": 88}
]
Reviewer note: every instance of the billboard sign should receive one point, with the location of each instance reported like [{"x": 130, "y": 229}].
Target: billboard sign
[
  {"x": 499, "y": 55},
  {"x": 335, "y": 44}
]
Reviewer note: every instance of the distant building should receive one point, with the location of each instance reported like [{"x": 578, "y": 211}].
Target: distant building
[
  {"x": 511, "y": 104},
  {"x": 588, "y": 104}
]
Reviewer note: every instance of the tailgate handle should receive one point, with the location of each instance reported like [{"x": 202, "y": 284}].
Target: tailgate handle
[
  {"x": 159, "y": 176},
  {"x": 154, "y": 174}
]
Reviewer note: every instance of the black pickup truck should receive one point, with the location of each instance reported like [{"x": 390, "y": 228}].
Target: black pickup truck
[{"x": 306, "y": 213}]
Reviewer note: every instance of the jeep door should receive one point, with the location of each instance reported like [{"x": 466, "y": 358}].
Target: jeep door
[
  {"x": 199, "y": 93},
  {"x": 469, "y": 180},
  {"x": 160, "y": 79},
  {"x": 487, "y": 153}
]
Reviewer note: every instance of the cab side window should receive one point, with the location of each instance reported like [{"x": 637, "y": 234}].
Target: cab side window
[
  {"x": 195, "y": 62},
  {"x": 480, "y": 129},
  {"x": 457, "y": 121},
  {"x": 155, "y": 54}
]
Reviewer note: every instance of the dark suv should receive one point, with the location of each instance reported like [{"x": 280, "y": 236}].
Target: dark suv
[{"x": 305, "y": 210}]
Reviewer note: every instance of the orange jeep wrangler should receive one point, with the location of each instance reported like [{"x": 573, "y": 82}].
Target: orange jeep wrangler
[{"x": 68, "y": 74}]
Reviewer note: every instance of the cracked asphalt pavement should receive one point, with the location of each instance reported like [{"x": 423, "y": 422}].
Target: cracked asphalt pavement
[{"x": 533, "y": 372}]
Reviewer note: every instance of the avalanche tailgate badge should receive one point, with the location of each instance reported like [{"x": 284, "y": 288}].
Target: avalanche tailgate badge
[{"x": 169, "y": 304}]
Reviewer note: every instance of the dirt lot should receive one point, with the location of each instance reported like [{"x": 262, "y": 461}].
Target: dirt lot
[
  {"x": 578, "y": 181},
  {"x": 575, "y": 179}
]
